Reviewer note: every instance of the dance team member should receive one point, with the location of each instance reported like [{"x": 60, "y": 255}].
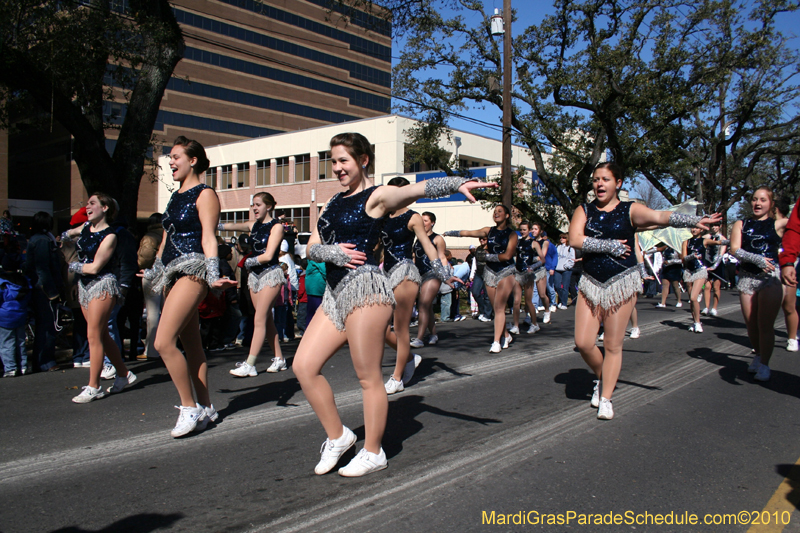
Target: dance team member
[
  {"x": 500, "y": 269},
  {"x": 671, "y": 274},
  {"x": 604, "y": 229},
  {"x": 756, "y": 243},
  {"x": 265, "y": 281},
  {"x": 782, "y": 207},
  {"x": 431, "y": 282},
  {"x": 186, "y": 266},
  {"x": 358, "y": 301},
  {"x": 694, "y": 274},
  {"x": 541, "y": 283},
  {"x": 98, "y": 292},
  {"x": 716, "y": 246},
  {"x": 530, "y": 270}
]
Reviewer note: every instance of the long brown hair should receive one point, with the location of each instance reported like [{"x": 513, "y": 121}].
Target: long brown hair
[{"x": 357, "y": 146}]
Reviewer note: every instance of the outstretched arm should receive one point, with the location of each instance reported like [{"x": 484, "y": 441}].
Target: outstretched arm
[
  {"x": 389, "y": 198},
  {"x": 235, "y": 226},
  {"x": 644, "y": 217},
  {"x": 477, "y": 233}
]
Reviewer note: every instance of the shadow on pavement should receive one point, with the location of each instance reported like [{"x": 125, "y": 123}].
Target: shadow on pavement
[
  {"x": 140, "y": 523},
  {"x": 792, "y": 474},
  {"x": 279, "y": 392}
]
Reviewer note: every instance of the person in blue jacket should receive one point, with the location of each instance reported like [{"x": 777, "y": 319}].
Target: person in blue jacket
[{"x": 15, "y": 296}]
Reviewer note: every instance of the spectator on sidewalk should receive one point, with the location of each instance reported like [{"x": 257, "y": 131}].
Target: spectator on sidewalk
[
  {"x": 15, "y": 296},
  {"x": 148, "y": 248}
]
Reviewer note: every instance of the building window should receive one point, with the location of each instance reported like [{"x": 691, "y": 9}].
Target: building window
[
  {"x": 211, "y": 177},
  {"x": 302, "y": 167},
  {"x": 325, "y": 166},
  {"x": 243, "y": 178},
  {"x": 226, "y": 179},
  {"x": 282, "y": 171},
  {"x": 299, "y": 215},
  {"x": 263, "y": 170},
  {"x": 232, "y": 216}
]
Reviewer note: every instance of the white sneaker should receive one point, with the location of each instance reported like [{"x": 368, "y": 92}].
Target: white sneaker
[
  {"x": 433, "y": 339},
  {"x": 562, "y": 306},
  {"x": 417, "y": 343},
  {"x": 211, "y": 413},
  {"x": 552, "y": 308},
  {"x": 755, "y": 364},
  {"x": 392, "y": 386},
  {"x": 635, "y": 333},
  {"x": 700, "y": 297},
  {"x": 332, "y": 450},
  {"x": 791, "y": 345},
  {"x": 86, "y": 364},
  {"x": 696, "y": 328},
  {"x": 679, "y": 304},
  {"x": 120, "y": 382},
  {"x": 77, "y": 365},
  {"x": 364, "y": 463},
  {"x": 514, "y": 330},
  {"x": 244, "y": 370},
  {"x": 713, "y": 312},
  {"x": 278, "y": 364},
  {"x": 495, "y": 348},
  {"x": 704, "y": 311},
  {"x": 660, "y": 305},
  {"x": 411, "y": 366},
  {"x": 601, "y": 336},
  {"x": 534, "y": 328},
  {"x": 188, "y": 420},
  {"x": 89, "y": 394},
  {"x": 546, "y": 318},
  {"x": 596, "y": 394},
  {"x": 605, "y": 411},
  {"x": 540, "y": 308},
  {"x": 211, "y": 416},
  {"x": 483, "y": 318},
  {"x": 507, "y": 341},
  {"x": 109, "y": 372},
  {"x": 763, "y": 373}
]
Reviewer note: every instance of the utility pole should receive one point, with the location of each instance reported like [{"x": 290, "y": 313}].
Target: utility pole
[{"x": 505, "y": 180}]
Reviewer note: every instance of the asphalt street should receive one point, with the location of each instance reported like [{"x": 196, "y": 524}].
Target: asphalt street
[{"x": 477, "y": 442}]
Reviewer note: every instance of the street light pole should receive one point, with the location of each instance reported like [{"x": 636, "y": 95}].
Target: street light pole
[{"x": 505, "y": 180}]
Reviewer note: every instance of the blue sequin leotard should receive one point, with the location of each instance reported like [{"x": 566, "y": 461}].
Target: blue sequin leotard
[
  {"x": 497, "y": 243},
  {"x": 422, "y": 261},
  {"x": 694, "y": 268},
  {"x": 759, "y": 237},
  {"x": 607, "y": 281},
  {"x": 529, "y": 265},
  {"x": 265, "y": 274},
  {"x": 103, "y": 284},
  {"x": 398, "y": 245},
  {"x": 345, "y": 220}
]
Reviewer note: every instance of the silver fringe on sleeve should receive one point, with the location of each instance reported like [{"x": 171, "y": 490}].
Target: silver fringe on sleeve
[
  {"x": 752, "y": 283},
  {"x": 677, "y": 220},
  {"x": 441, "y": 187},
  {"x": 452, "y": 233},
  {"x": 612, "y": 294},
  {"x": 362, "y": 287},
  {"x": 76, "y": 266},
  {"x": 212, "y": 270},
  {"x": 492, "y": 278},
  {"x": 251, "y": 262},
  {"x": 192, "y": 264},
  {"x": 697, "y": 275},
  {"x": 328, "y": 253},
  {"x": 272, "y": 277},
  {"x": 100, "y": 288},
  {"x": 748, "y": 257},
  {"x": 402, "y": 271},
  {"x": 603, "y": 246},
  {"x": 442, "y": 272}
]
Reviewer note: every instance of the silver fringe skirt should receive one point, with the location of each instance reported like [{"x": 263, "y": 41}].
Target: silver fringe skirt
[
  {"x": 367, "y": 285},
  {"x": 752, "y": 283},
  {"x": 697, "y": 275},
  {"x": 404, "y": 270},
  {"x": 525, "y": 277},
  {"x": 100, "y": 288},
  {"x": 612, "y": 294},
  {"x": 492, "y": 278},
  {"x": 192, "y": 264},
  {"x": 271, "y": 277}
]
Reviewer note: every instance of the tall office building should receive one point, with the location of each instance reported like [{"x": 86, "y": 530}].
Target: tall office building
[{"x": 251, "y": 68}]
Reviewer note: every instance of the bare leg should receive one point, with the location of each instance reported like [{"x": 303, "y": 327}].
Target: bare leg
[
  {"x": 180, "y": 308},
  {"x": 614, "y": 325},
  {"x": 695, "y": 289},
  {"x": 499, "y": 301},
  {"x": 196, "y": 358},
  {"x": 365, "y": 327},
  {"x": 716, "y": 286},
  {"x": 428, "y": 291},
  {"x": 587, "y": 326},
  {"x": 317, "y": 346},
  {"x": 529, "y": 303},
  {"x": 769, "y": 305},
  {"x": 100, "y": 341},
  {"x": 749, "y": 305},
  {"x": 263, "y": 301},
  {"x": 634, "y": 315},
  {"x": 790, "y": 311},
  {"x": 517, "y": 301},
  {"x": 541, "y": 288},
  {"x": 676, "y": 286},
  {"x": 404, "y": 295},
  {"x": 664, "y": 290}
]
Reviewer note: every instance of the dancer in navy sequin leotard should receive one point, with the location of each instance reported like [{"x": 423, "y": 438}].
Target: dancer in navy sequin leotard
[
  {"x": 756, "y": 243},
  {"x": 187, "y": 266},
  {"x": 604, "y": 230},
  {"x": 429, "y": 287},
  {"x": 98, "y": 292},
  {"x": 358, "y": 301},
  {"x": 500, "y": 269},
  {"x": 397, "y": 238},
  {"x": 530, "y": 270},
  {"x": 265, "y": 281},
  {"x": 694, "y": 274}
]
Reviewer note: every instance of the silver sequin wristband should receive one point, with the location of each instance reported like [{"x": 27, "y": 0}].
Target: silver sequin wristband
[
  {"x": 452, "y": 233},
  {"x": 251, "y": 262},
  {"x": 328, "y": 253},
  {"x": 441, "y": 187},
  {"x": 220, "y": 227},
  {"x": 676, "y": 220},
  {"x": 65, "y": 236},
  {"x": 212, "y": 270},
  {"x": 440, "y": 270},
  {"x": 603, "y": 246},
  {"x": 154, "y": 271},
  {"x": 76, "y": 267},
  {"x": 747, "y": 257}
]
